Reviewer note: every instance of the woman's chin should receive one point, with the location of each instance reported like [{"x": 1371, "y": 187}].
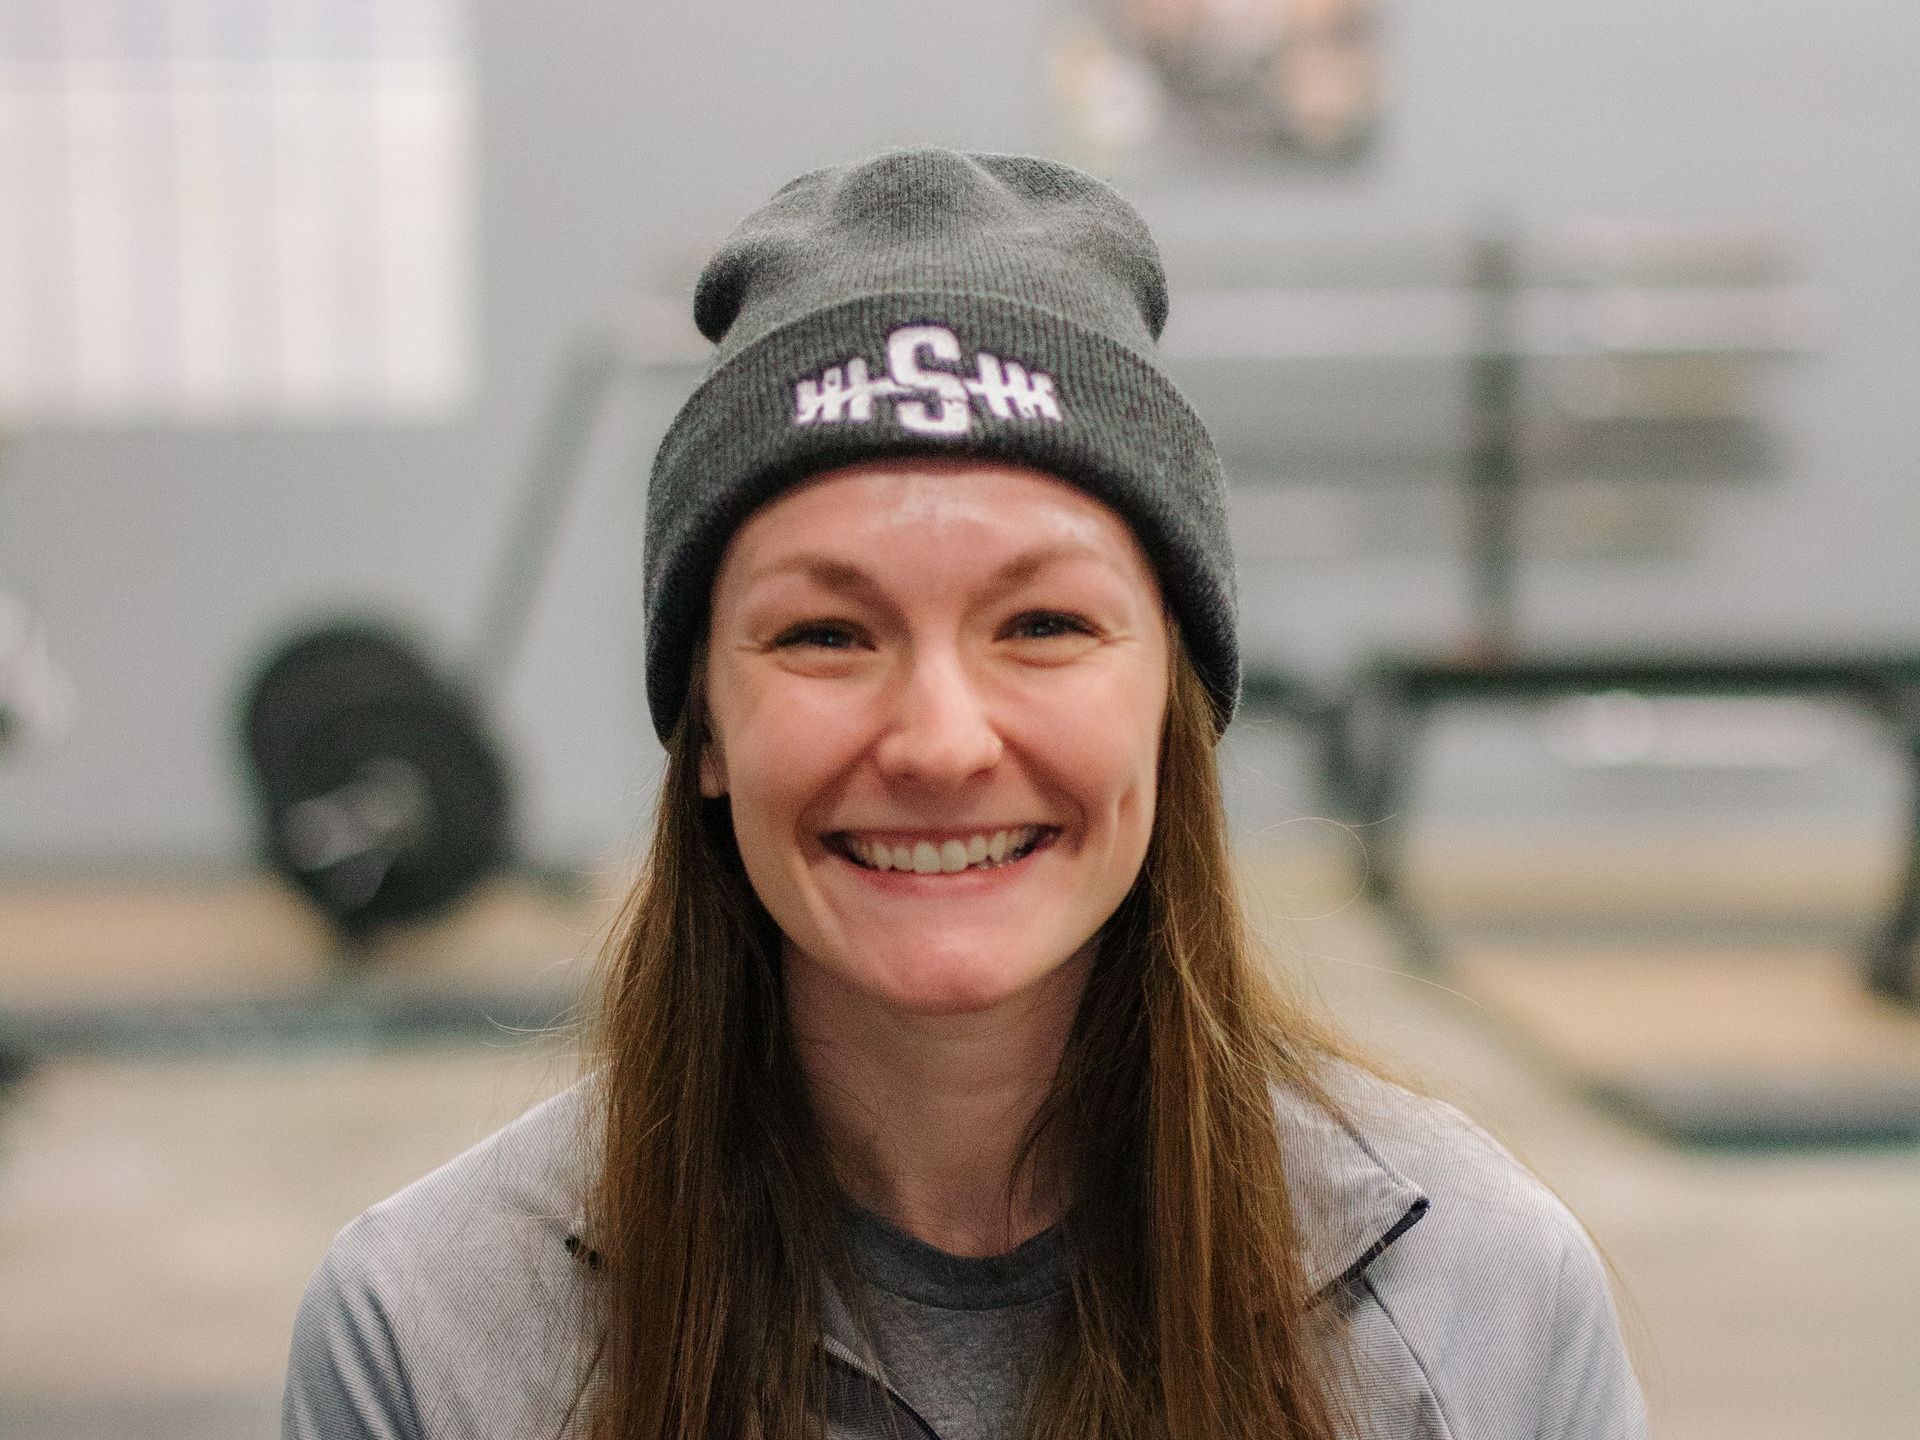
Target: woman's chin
[
  {"x": 937, "y": 981},
  {"x": 953, "y": 985}
]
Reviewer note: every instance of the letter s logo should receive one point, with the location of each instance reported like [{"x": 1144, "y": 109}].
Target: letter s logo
[{"x": 950, "y": 413}]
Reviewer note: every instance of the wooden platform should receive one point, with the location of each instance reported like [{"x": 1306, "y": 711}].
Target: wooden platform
[
  {"x": 236, "y": 962},
  {"x": 1713, "y": 1045},
  {"x": 1707, "y": 989}
]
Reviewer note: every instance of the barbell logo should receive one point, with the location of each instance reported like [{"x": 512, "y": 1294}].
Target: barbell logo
[{"x": 928, "y": 398}]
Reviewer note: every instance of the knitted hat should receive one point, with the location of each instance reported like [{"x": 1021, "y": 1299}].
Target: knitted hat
[{"x": 927, "y": 302}]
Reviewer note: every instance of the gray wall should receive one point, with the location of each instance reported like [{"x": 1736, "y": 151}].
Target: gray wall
[{"x": 616, "y": 139}]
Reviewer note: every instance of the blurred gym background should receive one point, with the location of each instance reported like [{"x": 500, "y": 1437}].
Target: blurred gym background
[{"x": 1564, "y": 363}]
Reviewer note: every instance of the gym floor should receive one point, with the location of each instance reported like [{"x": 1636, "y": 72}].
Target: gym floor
[{"x": 160, "y": 1212}]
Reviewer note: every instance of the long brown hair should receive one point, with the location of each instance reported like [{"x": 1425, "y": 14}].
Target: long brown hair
[{"x": 715, "y": 1215}]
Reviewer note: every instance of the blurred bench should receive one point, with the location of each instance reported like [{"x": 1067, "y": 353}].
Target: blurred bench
[{"x": 1382, "y": 719}]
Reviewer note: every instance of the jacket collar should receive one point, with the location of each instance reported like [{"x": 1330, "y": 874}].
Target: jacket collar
[{"x": 1349, "y": 1203}]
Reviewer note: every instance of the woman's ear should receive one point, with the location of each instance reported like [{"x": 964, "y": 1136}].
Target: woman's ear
[{"x": 713, "y": 770}]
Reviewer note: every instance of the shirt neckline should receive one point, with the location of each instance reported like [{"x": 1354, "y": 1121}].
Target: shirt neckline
[{"x": 903, "y": 1265}]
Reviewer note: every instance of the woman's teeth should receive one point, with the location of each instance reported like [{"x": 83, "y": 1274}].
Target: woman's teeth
[{"x": 945, "y": 857}]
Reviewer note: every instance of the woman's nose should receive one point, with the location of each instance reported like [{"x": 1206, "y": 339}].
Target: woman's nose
[{"x": 940, "y": 731}]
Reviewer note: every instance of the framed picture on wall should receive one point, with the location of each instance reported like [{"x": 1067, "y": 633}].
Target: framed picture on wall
[{"x": 1300, "y": 79}]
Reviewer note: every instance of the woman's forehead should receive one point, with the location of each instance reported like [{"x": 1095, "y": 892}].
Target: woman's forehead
[{"x": 862, "y": 510}]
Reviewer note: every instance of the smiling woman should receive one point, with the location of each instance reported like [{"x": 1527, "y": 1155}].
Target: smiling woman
[
  {"x": 937, "y": 1087},
  {"x": 935, "y": 692}
]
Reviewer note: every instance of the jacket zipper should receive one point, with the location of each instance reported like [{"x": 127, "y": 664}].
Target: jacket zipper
[{"x": 837, "y": 1351}]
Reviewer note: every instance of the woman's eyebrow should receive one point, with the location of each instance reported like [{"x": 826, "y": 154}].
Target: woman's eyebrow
[
  {"x": 829, "y": 574},
  {"x": 1029, "y": 563}
]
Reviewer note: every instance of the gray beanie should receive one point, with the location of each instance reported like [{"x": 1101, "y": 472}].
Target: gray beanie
[{"x": 927, "y": 302}]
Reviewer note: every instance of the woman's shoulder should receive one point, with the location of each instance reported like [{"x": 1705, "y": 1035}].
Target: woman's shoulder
[
  {"x": 531, "y": 1170},
  {"x": 1485, "y": 1295},
  {"x": 461, "y": 1290},
  {"x": 510, "y": 1201},
  {"x": 1415, "y": 1166},
  {"x": 1441, "y": 1150}
]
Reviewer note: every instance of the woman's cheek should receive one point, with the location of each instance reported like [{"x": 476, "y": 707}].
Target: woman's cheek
[{"x": 796, "y": 729}]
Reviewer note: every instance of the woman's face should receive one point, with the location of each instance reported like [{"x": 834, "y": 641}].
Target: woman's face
[{"x": 936, "y": 691}]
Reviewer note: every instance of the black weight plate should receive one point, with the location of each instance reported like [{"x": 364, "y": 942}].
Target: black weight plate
[
  {"x": 341, "y": 664},
  {"x": 466, "y": 796},
  {"x": 332, "y": 706}
]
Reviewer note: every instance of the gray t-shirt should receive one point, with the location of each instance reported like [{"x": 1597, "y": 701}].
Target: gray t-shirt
[{"x": 954, "y": 1335}]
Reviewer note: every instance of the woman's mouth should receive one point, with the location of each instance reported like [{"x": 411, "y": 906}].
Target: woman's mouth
[{"x": 944, "y": 854}]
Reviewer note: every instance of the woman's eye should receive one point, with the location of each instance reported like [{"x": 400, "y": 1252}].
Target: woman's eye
[
  {"x": 817, "y": 634},
  {"x": 1046, "y": 624}
]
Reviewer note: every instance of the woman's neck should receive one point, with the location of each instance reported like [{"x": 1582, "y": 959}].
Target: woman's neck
[{"x": 925, "y": 1115}]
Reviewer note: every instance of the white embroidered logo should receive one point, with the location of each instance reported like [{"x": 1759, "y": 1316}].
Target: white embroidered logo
[{"x": 930, "y": 399}]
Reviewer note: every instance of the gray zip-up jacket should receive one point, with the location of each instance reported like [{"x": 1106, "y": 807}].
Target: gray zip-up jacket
[{"x": 1478, "y": 1307}]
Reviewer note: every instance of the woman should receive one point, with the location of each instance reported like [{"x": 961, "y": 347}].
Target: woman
[{"x": 939, "y": 1090}]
